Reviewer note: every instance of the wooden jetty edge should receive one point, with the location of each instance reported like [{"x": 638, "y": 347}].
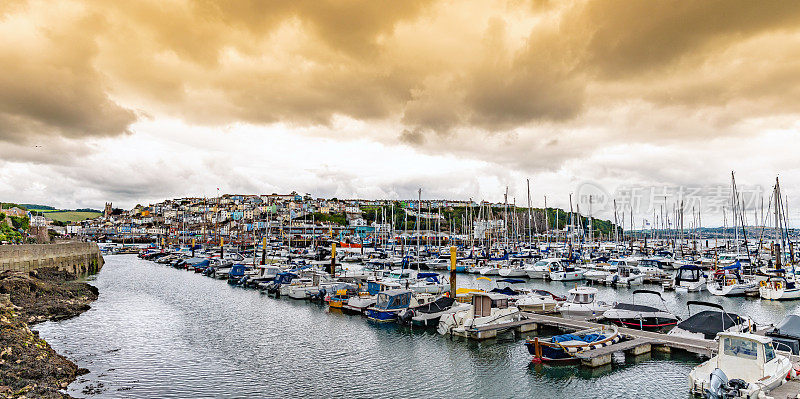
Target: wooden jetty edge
[{"x": 637, "y": 342}]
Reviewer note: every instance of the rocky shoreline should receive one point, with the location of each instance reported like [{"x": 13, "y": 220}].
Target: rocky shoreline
[{"x": 29, "y": 367}]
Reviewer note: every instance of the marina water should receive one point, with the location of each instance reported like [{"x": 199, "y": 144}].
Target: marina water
[{"x": 156, "y": 331}]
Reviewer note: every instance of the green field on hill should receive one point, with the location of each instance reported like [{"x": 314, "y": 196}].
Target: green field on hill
[{"x": 70, "y": 216}]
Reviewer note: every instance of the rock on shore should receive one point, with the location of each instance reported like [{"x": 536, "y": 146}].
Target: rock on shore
[{"x": 29, "y": 367}]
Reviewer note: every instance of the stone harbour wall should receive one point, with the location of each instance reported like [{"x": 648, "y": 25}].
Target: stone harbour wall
[{"x": 74, "y": 257}]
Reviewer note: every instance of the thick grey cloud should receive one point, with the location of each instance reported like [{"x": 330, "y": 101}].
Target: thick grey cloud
[{"x": 49, "y": 87}]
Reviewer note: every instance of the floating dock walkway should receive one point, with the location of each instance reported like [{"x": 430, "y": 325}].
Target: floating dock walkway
[{"x": 637, "y": 342}]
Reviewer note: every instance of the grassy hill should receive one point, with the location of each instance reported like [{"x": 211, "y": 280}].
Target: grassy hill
[
  {"x": 71, "y": 216},
  {"x": 58, "y": 215}
]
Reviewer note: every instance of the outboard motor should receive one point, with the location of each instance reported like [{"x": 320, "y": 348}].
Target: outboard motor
[
  {"x": 404, "y": 317},
  {"x": 317, "y": 296},
  {"x": 722, "y": 388}
]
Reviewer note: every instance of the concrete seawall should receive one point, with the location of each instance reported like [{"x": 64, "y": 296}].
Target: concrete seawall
[{"x": 77, "y": 257}]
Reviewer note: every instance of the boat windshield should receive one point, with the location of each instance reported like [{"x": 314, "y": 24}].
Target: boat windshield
[
  {"x": 383, "y": 301},
  {"x": 743, "y": 348},
  {"x": 541, "y": 263},
  {"x": 769, "y": 353},
  {"x": 581, "y": 298}
]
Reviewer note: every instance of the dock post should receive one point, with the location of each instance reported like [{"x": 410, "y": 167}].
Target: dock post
[
  {"x": 453, "y": 272},
  {"x": 641, "y": 349},
  {"x": 221, "y": 248},
  {"x": 598, "y": 361},
  {"x": 333, "y": 260},
  {"x": 662, "y": 349},
  {"x": 264, "y": 251}
]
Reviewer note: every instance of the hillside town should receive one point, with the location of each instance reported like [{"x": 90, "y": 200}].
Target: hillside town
[{"x": 240, "y": 218}]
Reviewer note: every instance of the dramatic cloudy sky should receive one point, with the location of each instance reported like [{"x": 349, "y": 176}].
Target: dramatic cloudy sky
[{"x": 133, "y": 102}]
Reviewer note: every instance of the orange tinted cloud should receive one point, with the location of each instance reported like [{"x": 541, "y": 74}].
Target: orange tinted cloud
[{"x": 429, "y": 68}]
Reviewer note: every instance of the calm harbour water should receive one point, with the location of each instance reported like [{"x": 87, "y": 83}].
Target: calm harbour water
[{"x": 160, "y": 332}]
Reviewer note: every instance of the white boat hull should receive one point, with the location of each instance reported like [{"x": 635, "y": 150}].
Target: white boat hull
[{"x": 566, "y": 276}]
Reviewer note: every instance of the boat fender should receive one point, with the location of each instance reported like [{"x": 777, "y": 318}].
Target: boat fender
[{"x": 762, "y": 283}]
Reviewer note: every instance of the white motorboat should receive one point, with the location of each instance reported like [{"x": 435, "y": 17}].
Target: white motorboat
[
  {"x": 688, "y": 278},
  {"x": 654, "y": 268},
  {"x": 539, "y": 301},
  {"x": 489, "y": 270},
  {"x": 708, "y": 323},
  {"x": 419, "y": 282},
  {"x": 625, "y": 276},
  {"x": 745, "y": 366},
  {"x": 564, "y": 272},
  {"x": 513, "y": 270},
  {"x": 541, "y": 269},
  {"x": 598, "y": 272},
  {"x": 438, "y": 264},
  {"x": 486, "y": 309},
  {"x": 582, "y": 302}
]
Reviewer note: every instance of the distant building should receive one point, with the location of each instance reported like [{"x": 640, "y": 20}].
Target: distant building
[{"x": 14, "y": 211}]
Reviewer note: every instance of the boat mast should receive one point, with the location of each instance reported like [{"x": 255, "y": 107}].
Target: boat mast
[
  {"x": 531, "y": 222},
  {"x": 419, "y": 214},
  {"x": 616, "y": 224},
  {"x": 777, "y": 245},
  {"x": 546, "y": 223}
]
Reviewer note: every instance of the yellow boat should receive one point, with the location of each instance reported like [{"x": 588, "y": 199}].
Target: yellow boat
[{"x": 338, "y": 300}]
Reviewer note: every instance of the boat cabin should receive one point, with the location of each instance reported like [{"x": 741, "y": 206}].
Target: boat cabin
[
  {"x": 550, "y": 263},
  {"x": 582, "y": 295},
  {"x": 484, "y": 302},
  {"x": 284, "y": 278},
  {"x": 627, "y": 271},
  {"x": 689, "y": 273},
  {"x": 654, "y": 262},
  {"x": 746, "y": 356},
  {"x": 393, "y": 299},
  {"x": 403, "y": 274},
  {"x": 374, "y": 287}
]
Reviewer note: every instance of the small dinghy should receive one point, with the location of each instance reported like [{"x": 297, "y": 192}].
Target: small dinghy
[
  {"x": 708, "y": 323},
  {"x": 563, "y": 348},
  {"x": 642, "y": 317}
]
